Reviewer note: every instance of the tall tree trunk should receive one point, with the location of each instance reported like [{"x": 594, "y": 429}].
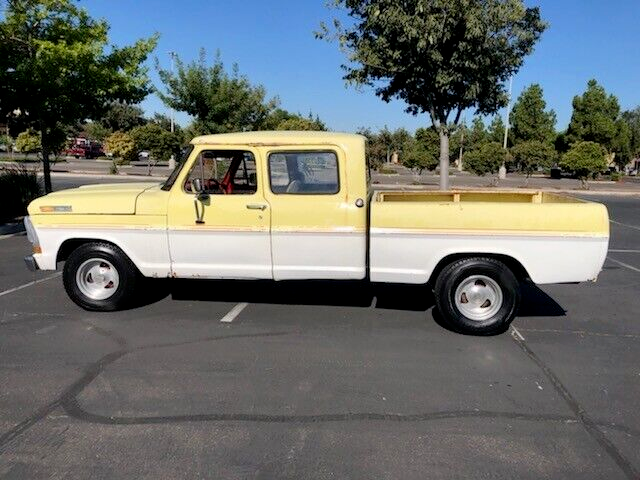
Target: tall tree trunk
[
  {"x": 46, "y": 168},
  {"x": 444, "y": 159}
]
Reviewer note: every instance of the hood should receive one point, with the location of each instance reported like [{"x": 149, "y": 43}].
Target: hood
[{"x": 113, "y": 198}]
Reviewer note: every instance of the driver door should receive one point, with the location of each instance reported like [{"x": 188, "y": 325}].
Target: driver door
[{"x": 222, "y": 232}]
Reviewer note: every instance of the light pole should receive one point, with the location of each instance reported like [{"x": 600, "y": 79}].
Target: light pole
[
  {"x": 172, "y": 160},
  {"x": 502, "y": 173}
]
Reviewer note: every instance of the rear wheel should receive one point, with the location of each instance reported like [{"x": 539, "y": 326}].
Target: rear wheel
[
  {"x": 477, "y": 295},
  {"x": 100, "y": 277}
]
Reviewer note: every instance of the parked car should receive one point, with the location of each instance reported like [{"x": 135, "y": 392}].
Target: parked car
[{"x": 297, "y": 206}]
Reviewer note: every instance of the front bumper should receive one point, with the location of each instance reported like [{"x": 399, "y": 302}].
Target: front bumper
[{"x": 31, "y": 263}]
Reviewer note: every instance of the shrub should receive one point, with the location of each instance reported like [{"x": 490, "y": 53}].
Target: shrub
[
  {"x": 18, "y": 186},
  {"x": 386, "y": 171},
  {"x": 486, "y": 159},
  {"x": 615, "y": 176},
  {"x": 584, "y": 159},
  {"x": 28, "y": 142},
  {"x": 531, "y": 155},
  {"x": 121, "y": 145}
]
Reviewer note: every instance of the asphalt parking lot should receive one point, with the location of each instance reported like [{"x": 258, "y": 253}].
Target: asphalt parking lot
[{"x": 320, "y": 381}]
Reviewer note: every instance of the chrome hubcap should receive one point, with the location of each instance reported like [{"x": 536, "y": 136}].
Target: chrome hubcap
[
  {"x": 97, "y": 279},
  {"x": 478, "y": 297}
]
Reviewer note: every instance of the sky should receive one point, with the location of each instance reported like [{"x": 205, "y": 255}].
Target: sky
[{"x": 273, "y": 44}]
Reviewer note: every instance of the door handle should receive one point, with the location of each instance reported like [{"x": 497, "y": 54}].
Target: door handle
[{"x": 256, "y": 206}]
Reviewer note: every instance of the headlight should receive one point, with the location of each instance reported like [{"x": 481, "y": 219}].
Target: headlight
[{"x": 32, "y": 236}]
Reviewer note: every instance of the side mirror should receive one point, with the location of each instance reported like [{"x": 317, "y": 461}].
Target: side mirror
[{"x": 196, "y": 185}]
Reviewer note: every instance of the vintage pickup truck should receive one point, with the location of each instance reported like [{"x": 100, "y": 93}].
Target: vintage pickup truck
[{"x": 298, "y": 205}]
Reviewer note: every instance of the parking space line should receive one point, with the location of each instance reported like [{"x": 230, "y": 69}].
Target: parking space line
[
  {"x": 233, "y": 313},
  {"x": 624, "y": 224},
  {"x": 15, "y": 289},
  {"x": 616, "y": 250},
  {"x": 630, "y": 267}
]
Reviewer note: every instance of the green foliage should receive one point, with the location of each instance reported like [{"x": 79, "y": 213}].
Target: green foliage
[
  {"x": 28, "y": 141},
  {"x": 615, "y": 176},
  {"x": 18, "y": 186},
  {"x": 532, "y": 154},
  {"x": 529, "y": 119},
  {"x": 6, "y": 142},
  {"x": 120, "y": 116},
  {"x": 595, "y": 116},
  {"x": 440, "y": 57},
  {"x": 632, "y": 119},
  {"x": 158, "y": 141},
  {"x": 477, "y": 135},
  {"x": 382, "y": 145},
  {"x": 621, "y": 145},
  {"x": 486, "y": 159},
  {"x": 296, "y": 122},
  {"x": 420, "y": 156},
  {"x": 58, "y": 68},
  {"x": 121, "y": 145},
  {"x": 496, "y": 130},
  {"x": 95, "y": 131},
  {"x": 584, "y": 159},
  {"x": 218, "y": 100}
]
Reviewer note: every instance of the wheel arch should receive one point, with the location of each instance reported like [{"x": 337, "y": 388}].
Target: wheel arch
[
  {"x": 71, "y": 244},
  {"x": 512, "y": 263}
]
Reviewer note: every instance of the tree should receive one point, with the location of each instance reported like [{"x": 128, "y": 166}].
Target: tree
[
  {"x": 621, "y": 145},
  {"x": 298, "y": 122},
  {"x": 478, "y": 135},
  {"x": 486, "y": 159},
  {"x": 496, "y": 130},
  {"x": 158, "y": 141},
  {"x": 632, "y": 119},
  {"x": 584, "y": 159},
  {"x": 594, "y": 118},
  {"x": 440, "y": 57},
  {"x": 219, "y": 101},
  {"x": 95, "y": 131},
  {"x": 120, "y": 116},
  {"x": 122, "y": 145},
  {"x": 420, "y": 154},
  {"x": 532, "y": 154},
  {"x": 28, "y": 142},
  {"x": 56, "y": 69},
  {"x": 529, "y": 120}
]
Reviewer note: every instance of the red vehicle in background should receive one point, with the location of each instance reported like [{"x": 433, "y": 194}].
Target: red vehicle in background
[{"x": 82, "y": 147}]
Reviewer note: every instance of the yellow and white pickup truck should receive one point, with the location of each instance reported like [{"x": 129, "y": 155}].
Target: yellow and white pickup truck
[{"x": 298, "y": 205}]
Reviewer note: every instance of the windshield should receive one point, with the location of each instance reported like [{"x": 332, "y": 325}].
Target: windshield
[{"x": 176, "y": 171}]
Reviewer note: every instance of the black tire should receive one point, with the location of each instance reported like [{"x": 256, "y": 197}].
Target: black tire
[
  {"x": 128, "y": 277},
  {"x": 460, "y": 274}
]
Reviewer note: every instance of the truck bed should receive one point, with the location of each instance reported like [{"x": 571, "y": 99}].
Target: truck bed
[{"x": 555, "y": 238}]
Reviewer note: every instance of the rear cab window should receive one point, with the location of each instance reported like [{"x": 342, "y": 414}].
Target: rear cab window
[{"x": 304, "y": 173}]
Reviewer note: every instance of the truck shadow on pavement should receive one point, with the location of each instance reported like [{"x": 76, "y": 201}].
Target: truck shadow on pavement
[{"x": 417, "y": 298}]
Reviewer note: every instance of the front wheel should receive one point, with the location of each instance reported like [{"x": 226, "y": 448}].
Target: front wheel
[
  {"x": 477, "y": 295},
  {"x": 100, "y": 277}
]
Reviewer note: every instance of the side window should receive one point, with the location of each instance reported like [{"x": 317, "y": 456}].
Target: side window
[
  {"x": 304, "y": 173},
  {"x": 224, "y": 172}
]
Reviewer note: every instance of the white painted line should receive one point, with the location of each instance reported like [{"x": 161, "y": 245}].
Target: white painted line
[
  {"x": 10, "y": 235},
  {"x": 517, "y": 334},
  {"x": 626, "y": 265},
  {"x": 234, "y": 312},
  {"x": 623, "y": 251},
  {"x": 15, "y": 289},
  {"x": 625, "y": 225}
]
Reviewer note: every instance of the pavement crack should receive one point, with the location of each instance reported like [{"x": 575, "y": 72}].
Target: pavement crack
[{"x": 580, "y": 413}]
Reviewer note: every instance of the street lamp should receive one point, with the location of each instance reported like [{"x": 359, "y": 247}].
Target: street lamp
[
  {"x": 172, "y": 160},
  {"x": 502, "y": 173}
]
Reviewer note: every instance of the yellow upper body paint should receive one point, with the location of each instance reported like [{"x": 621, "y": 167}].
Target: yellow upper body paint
[{"x": 147, "y": 205}]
